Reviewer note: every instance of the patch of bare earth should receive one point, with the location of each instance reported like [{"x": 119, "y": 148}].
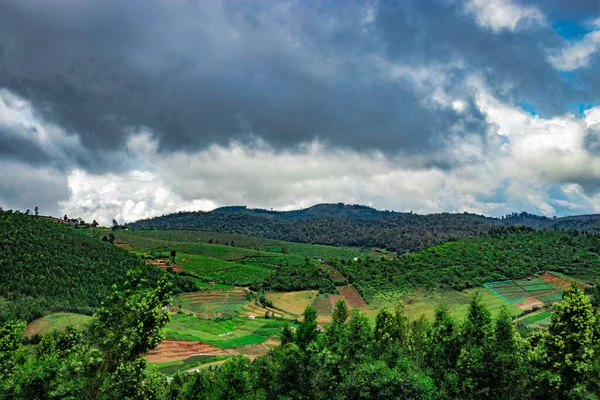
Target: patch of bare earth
[
  {"x": 171, "y": 350},
  {"x": 529, "y": 303},
  {"x": 558, "y": 281},
  {"x": 352, "y": 297}
]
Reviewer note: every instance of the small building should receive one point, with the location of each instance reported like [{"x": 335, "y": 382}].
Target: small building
[{"x": 251, "y": 317}]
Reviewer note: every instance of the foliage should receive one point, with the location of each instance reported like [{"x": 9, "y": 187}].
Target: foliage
[
  {"x": 106, "y": 361},
  {"x": 479, "y": 358}
]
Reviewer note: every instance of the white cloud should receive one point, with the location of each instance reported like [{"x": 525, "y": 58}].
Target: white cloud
[
  {"x": 499, "y": 15},
  {"x": 576, "y": 54},
  {"x": 125, "y": 197}
]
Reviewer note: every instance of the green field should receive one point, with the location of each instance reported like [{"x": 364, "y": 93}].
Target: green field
[
  {"x": 56, "y": 321},
  {"x": 426, "y": 303},
  {"x": 225, "y": 245},
  {"x": 211, "y": 302},
  {"x": 225, "y": 334},
  {"x": 171, "y": 367}
]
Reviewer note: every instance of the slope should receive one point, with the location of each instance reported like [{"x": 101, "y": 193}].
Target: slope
[{"x": 45, "y": 266}]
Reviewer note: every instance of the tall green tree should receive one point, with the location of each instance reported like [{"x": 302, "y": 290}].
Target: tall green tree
[{"x": 569, "y": 347}]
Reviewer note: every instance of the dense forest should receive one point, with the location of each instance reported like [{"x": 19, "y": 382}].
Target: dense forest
[
  {"x": 503, "y": 253},
  {"x": 47, "y": 266},
  {"x": 400, "y": 232},
  {"x": 477, "y": 358}
]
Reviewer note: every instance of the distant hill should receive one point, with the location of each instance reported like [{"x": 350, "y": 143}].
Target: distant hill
[
  {"x": 337, "y": 210},
  {"x": 356, "y": 225},
  {"x": 331, "y": 224},
  {"x": 47, "y": 266}
]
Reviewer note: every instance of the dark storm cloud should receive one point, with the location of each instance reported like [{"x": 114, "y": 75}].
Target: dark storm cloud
[
  {"x": 14, "y": 147},
  {"x": 202, "y": 72}
]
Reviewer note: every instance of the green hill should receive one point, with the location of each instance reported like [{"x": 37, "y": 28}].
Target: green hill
[
  {"x": 504, "y": 253},
  {"x": 334, "y": 225},
  {"x": 47, "y": 266}
]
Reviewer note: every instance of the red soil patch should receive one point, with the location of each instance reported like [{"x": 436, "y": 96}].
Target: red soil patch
[
  {"x": 121, "y": 244},
  {"x": 558, "y": 281},
  {"x": 353, "y": 298},
  {"x": 171, "y": 350},
  {"x": 334, "y": 299},
  {"x": 162, "y": 263},
  {"x": 529, "y": 303}
]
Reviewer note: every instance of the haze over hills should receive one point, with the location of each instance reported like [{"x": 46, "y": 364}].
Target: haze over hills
[{"x": 357, "y": 225}]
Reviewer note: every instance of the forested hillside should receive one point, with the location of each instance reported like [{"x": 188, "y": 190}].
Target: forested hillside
[
  {"x": 356, "y": 225},
  {"x": 330, "y": 224},
  {"x": 503, "y": 253},
  {"x": 47, "y": 266}
]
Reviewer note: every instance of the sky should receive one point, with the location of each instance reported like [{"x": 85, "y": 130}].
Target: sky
[{"x": 132, "y": 109}]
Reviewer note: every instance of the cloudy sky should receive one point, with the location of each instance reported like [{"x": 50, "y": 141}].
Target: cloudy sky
[{"x": 130, "y": 109}]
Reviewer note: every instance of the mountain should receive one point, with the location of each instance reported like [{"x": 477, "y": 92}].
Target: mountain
[
  {"x": 337, "y": 210},
  {"x": 47, "y": 266}
]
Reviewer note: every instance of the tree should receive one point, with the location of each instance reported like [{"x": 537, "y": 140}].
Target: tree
[
  {"x": 569, "y": 344},
  {"x": 173, "y": 254},
  {"x": 307, "y": 331},
  {"x": 36, "y": 211},
  {"x": 115, "y": 224}
]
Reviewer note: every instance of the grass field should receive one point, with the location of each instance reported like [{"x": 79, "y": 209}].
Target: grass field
[
  {"x": 293, "y": 302},
  {"x": 56, "y": 321},
  {"x": 225, "y": 334},
  {"x": 426, "y": 303}
]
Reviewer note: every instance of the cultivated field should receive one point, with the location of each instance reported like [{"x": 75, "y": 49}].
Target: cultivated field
[
  {"x": 352, "y": 297},
  {"x": 527, "y": 294},
  {"x": 292, "y": 302},
  {"x": 211, "y": 303},
  {"x": 224, "y": 334}
]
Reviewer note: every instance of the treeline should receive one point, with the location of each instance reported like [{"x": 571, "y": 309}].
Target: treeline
[
  {"x": 47, "y": 266},
  {"x": 399, "y": 232},
  {"x": 477, "y": 358},
  {"x": 289, "y": 278},
  {"x": 503, "y": 253}
]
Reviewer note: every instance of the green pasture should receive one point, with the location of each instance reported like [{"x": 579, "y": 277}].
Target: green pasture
[
  {"x": 171, "y": 367},
  {"x": 56, "y": 321},
  {"x": 217, "y": 270},
  {"x": 425, "y": 304},
  {"x": 225, "y": 334}
]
